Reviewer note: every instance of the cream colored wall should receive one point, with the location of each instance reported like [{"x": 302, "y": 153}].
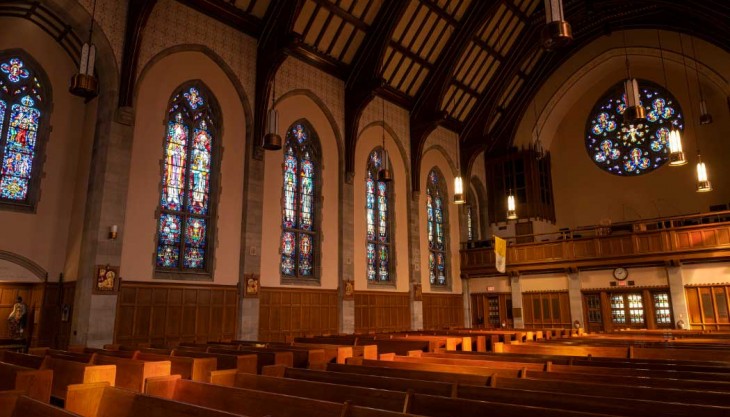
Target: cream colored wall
[
  {"x": 46, "y": 236},
  {"x": 500, "y": 284},
  {"x": 434, "y": 157},
  {"x": 642, "y": 277},
  {"x": 701, "y": 274},
  {"x": 544, "y": 282},
  {"x": 369, "y": 139},
  {"x": 572, "y": 92},
  {"x": 292, "y": 108},
  {"x": 154, "y": 90}
]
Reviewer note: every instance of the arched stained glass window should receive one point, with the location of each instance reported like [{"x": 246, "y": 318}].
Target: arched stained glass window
[
  {"x": 469, "y": 224},
  {"x": 299, "y": 203},
  {"x": 189, "y": 174},
  {"x": 378, "y": 214},
  {"x": 23, "y": 128},
  {"x": 631, "y": 150},
  {"x": 437, "y": 233}
]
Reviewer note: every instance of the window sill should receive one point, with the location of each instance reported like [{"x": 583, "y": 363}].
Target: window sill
[
  {"x": 381, "y": 285},
  {"x": 183, "y": 276},
  {"x": 311, "y": 282}
]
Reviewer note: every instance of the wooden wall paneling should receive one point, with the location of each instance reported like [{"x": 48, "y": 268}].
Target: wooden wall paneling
[
  {"x": 172, "y": 313},
  {"x": 296, "y": 312},
  {"x": 443, "y": 311},
  {"x": 380, "y": 311},
  {"x": 546, "y": 309},
  {"x": 709, "y": 307},
  {"x": 54, "y": 328}
]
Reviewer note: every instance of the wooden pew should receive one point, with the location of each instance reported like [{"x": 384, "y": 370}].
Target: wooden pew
[
  {"x": 67, "y": 372},
  {"x": 246, "y": 363},
  {"x": 196, "y": 369},
  {"x": 433, "y": 375},
  {"x": 101, "y": 400},
  {"x": 263, "y": 357},
  {"x": 35, "y": 383},
  {"x": 254, "y": 403},
  {"x": 24, "y": 406},
  {"x": 131, "y": 373},
  {"x": 625, "y": 407},
  {"x": 22, "y": 359}
]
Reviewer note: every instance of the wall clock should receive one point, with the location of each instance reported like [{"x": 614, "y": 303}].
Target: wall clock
[{"x": 620, "y": 273}]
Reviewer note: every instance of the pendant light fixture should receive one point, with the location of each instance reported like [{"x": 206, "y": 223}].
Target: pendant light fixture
[
  {"x": 458, "y": 182},
  {"x": 557, "y": 32},
  {"x": 703, "y": 181},
  {"x": 511, "y": 207},
  {"x": 676, "y": 154},
  {"x": 272, "y": 140},
  {"x": 634, "y": 112},
  {"x": 384, "y": 173},
  {"x": 705, "y": 116},
  {"x": 84, "y": 83}
]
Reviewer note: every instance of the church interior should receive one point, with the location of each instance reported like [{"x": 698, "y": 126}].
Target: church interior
[{"x": 364, "y": 208}]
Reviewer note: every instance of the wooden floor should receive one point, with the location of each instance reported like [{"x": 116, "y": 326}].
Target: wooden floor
[{"x": 458, "y": 372}]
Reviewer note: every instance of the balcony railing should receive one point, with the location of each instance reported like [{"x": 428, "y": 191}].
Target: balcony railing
[{"x": 694, "y": 238}]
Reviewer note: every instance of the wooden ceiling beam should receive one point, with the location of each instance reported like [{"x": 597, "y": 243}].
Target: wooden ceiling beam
[
  {"x": 426, "y": 114},
  {"x": 138, "y": 13},
  {"x": 365, "y": 76},
  {"x": 275, "y": 40},
  {"x": 227, "y": 14}
]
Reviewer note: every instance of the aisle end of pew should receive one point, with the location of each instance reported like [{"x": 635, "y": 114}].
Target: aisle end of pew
[
  {"x": 84, "y": 399},
  {"x": 274, "y": 370},
  {"x": 161, "y": 386},
  {"x": 225, "y": 377}
]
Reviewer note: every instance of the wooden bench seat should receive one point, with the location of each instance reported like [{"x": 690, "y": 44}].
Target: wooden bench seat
[
  {"x": 264, "y": 358},
  {"x": 132, "y": 373},
  {"x": 24, "y": 406},
  {"x": 101, "y": 400},
  {"x": 67, "y": 372},
  {"x": 246, "y": 363},
  {"x": 35, "y": 383},
  {"x": 432, "y": 375}
]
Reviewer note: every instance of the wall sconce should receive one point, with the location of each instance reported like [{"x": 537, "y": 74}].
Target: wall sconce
[{"x": 113, "y": 229}]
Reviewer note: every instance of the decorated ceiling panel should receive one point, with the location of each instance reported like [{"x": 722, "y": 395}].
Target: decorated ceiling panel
[
  {"x": 418, "y": 40},
  {"x": 336, "y": 28},
  {"x": 253, "y": 7}
]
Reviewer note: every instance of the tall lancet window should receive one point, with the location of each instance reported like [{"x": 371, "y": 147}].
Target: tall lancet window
[
  {"x": 24, "y": 112},
  {"x": 437, "y": 230},
  {"x": 300, "y": 198},
  {"x": 189, "y": 174},
  {"x": 379, "y": 253}
]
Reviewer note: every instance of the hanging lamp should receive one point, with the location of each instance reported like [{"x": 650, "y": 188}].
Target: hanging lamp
[
  {"x": 557, "y": 32},
  {"x": 84, "y": 83},
  {"x": 703, "y": 181},
  {"x": 676, "y": 153},
  {"x": 511, "y": 207},
  {"x": 384, "y": 173},
  {"x": 634, "y": 112},
  {"x": 272, "y": 140}
]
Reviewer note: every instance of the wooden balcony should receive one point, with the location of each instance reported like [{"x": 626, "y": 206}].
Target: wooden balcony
[{"x": 696, "y": 238}]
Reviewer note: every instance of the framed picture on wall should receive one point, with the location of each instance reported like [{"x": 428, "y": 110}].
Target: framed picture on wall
[
  {"x": 252, "y": 286},
  {"x": 107, "y": 280},
  {"x": 349, "y": 289}
]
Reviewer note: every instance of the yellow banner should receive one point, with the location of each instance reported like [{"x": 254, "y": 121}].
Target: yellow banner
[{"x": 500, "y": 254}]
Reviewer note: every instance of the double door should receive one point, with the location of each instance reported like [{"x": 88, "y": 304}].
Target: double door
[{"x": 491, "y": 310}]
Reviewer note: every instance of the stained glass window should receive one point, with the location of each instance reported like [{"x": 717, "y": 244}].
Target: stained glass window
[
  {"x": 22, "y": 121},
  {"x": 469, "y": 224},
  {"x": 437, "y": 234},
  {"x": 630, "y": 150},
  {"x": 299, "y": 203},
  {"x": 189, "y": 160},
  {"x": 378, "y": 219}
]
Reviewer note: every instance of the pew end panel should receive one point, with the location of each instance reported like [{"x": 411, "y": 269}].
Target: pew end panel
[
  {"x": 274, "y": 370},
  {"x": 162, "y": 386},
  {"x": 225, "y": 377}
]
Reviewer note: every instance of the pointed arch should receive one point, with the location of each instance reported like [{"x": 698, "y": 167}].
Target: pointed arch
[
  {"x": 301, "y": 203},
  {"x": 25, "y": 107},
  {"x": 190, "y": 178},
  {"x": 437, "y": 228}
]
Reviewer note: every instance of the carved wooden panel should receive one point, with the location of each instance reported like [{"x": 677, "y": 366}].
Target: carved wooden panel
[
  {"x": 702, "y": 238},
  {"x": 585, "y": 248},
  {"x": 296, "y": 312},
  {"x": 616, "y": 246},
  {"x": 382, "y": 311},
  {"x": 32, "y": 295},
  {"x": 171, "y": 313},
  {"x": 709, "y": 307},
  {"x": 443, "y": 311},
  {"x": 649, "y": 243}
]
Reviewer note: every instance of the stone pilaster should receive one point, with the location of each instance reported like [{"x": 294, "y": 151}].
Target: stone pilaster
[
  {"x": 347, "y": 254},
  {"x": 414, "y": 255},
  {"x": 576, "y": 298},
  {"x": 675, "y": 278},
  {"x": 519, "y": 322},
  {"x": 94, "y": 315},
  {"x": 253, "y": 207}
]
